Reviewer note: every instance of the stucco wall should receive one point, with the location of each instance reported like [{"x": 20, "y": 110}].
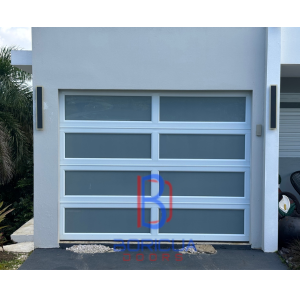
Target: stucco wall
[{"x": 140, "y": 59}]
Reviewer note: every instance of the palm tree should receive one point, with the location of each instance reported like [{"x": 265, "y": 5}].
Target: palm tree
[{"x": 15, "y": 118}]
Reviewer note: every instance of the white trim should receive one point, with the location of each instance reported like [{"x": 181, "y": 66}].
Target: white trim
[
  {"x": 149, "y": 125},
  {"x": 178, "y": 167},
  {"x": 22, "y": 59},
  {"x": 203, "y": 200},
  {"x": 155, "y": 109},
  {"x": 154, "y": 217},
  {"x": 271, "y": 143}
]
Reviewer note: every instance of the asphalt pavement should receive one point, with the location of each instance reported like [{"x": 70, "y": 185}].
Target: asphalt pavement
[{"x": 226, "y": 258}]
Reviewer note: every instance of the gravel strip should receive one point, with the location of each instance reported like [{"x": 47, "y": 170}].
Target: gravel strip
[
  {"x": 188, "y": 249},
  {"x": 98, "y": 248},
  {"x": 90, "y": 249}
]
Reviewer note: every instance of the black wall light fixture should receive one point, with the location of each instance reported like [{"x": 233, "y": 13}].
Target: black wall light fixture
[
  {"x": 39, "y": 108},
  {"x": 273, "y": 107}
]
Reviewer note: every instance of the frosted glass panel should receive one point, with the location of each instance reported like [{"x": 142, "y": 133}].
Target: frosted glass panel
[
  {"x": 203, "y": 109},
  {"x": 104, "y": 220},
  {"x": 205, "y": 221},
  {"x": 202, "y": 146},
  {"x": 108, "y": 108},
  {"x": 106, "y": 145},
  {"x": 122, "y": 183},
  {"x": 215, "y": 184}
]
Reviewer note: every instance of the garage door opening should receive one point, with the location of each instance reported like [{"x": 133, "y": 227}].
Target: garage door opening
[{"x": 199, "y": 142}]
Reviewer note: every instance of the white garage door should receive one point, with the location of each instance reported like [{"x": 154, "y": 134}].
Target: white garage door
[{"x": 199, "y": 142}]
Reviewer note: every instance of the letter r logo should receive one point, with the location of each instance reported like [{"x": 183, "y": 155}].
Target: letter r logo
[{"x": 141, "y": 201}]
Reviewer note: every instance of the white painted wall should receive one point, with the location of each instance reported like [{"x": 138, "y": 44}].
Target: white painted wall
[
  {"x": 290, "y": 45},
  {"x": 22, "y": 59},
  {"x": 271, "y": 144},
  {"x": 141, "y": 59}
]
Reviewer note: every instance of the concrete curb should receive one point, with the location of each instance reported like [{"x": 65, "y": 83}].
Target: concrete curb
[
  {"x": 20, "y": 247},
  {"x": 24, "y": 234}
]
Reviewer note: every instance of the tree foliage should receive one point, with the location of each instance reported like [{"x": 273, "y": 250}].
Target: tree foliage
[
  {"x": 16, "y": 140},
  {"x": 15, "y": 117}
]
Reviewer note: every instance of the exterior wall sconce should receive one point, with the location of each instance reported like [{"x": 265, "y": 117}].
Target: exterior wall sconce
[
  {"x": 39, "y": 108},
  {"x": 273, "y": 107}
]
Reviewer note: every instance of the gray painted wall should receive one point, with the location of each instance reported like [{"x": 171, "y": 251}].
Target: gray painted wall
[{"x": 140, "y": 59}]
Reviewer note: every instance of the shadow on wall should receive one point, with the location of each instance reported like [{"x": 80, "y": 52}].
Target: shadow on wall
[{"x": 288, "y": 165}]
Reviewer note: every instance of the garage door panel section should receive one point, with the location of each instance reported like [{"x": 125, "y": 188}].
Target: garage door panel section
[
  {"x": 205, "y": 221},
  {"x": 122, "y": 183},
  {"x": 107, "y": 145},
  {"x": 212, "y": 184},
  {"x": 157, "y": 146},
  {"x": 107, "y": 108},
  {"x": 203, "y": 109},
  {"x": 202, "y": 146},
  {"x": 103, "y": 220},
  {"x": 197, "y": 141}
]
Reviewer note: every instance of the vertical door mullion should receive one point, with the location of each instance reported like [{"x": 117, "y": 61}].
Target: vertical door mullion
[
  {"x": 154, "y": 185},
  {"x": 155, "y": 146},
  {"x": 154, "y": 157},
  {"x": 154, "y": 217},
  {"x": 154, "y": 210},
  {"x": 155, "y": 109}
]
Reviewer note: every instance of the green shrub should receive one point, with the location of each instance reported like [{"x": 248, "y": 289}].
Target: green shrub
[
  {"x": 3, "y": 213},
  {"x": 3, "y": 240},
  {"x": 19, "y": 194}
]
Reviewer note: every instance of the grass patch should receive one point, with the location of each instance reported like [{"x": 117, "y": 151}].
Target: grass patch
[{"x": 12, "y": 261}]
